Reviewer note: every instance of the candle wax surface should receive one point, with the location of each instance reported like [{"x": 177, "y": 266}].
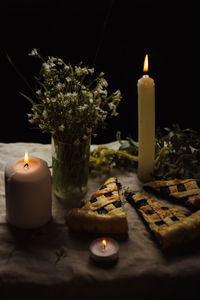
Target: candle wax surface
[
  {"x": 145, "y": 81},
  {"x": 33, "y": 166}
]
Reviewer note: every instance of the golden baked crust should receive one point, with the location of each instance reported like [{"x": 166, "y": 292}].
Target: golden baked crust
[
  {"x": 170, "y": 225},
  {"x": 103, "y": 213},
  {"x": 187, "y": 191}
]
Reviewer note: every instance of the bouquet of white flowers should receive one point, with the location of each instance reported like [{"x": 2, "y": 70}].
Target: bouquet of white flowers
[{"x": 70, "y": 103}]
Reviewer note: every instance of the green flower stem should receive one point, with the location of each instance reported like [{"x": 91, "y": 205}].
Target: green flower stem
[
  {"x": 172, "y": 172},
  {"x": 97, "y": 161},
  {"x": 161, "y": 153},
  {"x": 97, "y": 151},
  {"x": 102, "y": 152},
  {"x": 118, "y": 137}
]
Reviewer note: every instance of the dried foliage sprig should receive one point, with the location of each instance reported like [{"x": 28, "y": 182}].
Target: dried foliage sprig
[{"x": 177, "y": 154}]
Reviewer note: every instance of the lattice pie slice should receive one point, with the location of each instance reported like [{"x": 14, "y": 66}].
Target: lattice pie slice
[
  {"x": 170, "y": 225},
  {"x": 103, "y": 213},
  {"x": 187, "y": 191}
]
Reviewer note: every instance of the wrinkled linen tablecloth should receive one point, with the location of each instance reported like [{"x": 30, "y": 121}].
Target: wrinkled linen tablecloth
[{"x": 28, "y": 267}]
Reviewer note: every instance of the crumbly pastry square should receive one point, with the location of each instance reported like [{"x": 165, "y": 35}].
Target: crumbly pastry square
[
  {"x": 170, "y": 225},
  {"x": 186, "y": 191},
  {"x": 103, "y": 213}
]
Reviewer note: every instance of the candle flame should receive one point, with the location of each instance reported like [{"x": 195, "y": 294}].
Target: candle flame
[
  {"x": 26, "y": 158},
  {"x": 104, "y": 243},
  {"x": 146, "y": 64}
]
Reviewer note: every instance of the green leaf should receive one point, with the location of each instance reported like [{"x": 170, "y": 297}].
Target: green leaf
[
  {"x": 28, "y": 98},
  {"x": 71, "y": 69},
  {"x": 9, "y": 58}
]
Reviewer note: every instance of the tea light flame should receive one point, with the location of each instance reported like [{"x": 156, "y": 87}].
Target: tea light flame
[
  {"x": 104, "y": 244},
  {"x": 146, "y": 64}
]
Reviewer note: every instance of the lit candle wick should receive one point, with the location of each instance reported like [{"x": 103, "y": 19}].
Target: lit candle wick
[
  {"x": 26, "y": 166},
  {"x": 104, "y": 244}
]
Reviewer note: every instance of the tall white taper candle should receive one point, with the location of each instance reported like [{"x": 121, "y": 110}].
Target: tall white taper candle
[{"x": 146, "y": 125}]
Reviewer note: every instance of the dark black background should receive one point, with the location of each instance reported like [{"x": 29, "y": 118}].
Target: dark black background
[{"x": 168, "y": 31}]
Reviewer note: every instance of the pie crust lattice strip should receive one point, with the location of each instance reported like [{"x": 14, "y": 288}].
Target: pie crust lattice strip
[
  {"x": 103, "y": 213},
  {"x": 170, "y": 225},
  {"x": 186, "y": 191}
]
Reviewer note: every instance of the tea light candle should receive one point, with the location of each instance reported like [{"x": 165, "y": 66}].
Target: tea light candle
[
  {"x": 28, "y": 192},
  {"x": 104, "y": 249}
]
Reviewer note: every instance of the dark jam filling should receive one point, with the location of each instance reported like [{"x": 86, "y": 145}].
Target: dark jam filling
[
  {"x": 108, "y": 194},
  {"x": 102, "y": 211},
  {"x": 184, "y": 199},
  {"x": 164, "y": 208},
  {"x": 181, "y": 187},
  {"x": 93, "y": 200},
  {"x": 165, "y": 189},
  {"x": 149, "y": 212},
  {"x": 141, "y": 203},
  {"x": 129, "y": 198},
  {"x": 174, "y": 218},
  {"x": 117, "y": 204},
  {"x": 188, "y": 214},
  {"x": 159, "y": 223}
]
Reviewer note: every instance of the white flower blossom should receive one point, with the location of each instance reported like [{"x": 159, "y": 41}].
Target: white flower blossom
[
  {"x": 61, "y": 127},
  {"x": 91, "y": 71},
  {"x": 68, "y": 79},
  {"x": 35, "y": 115},
  {"x": 45, "y": 114},
  {"x": 46, "y": 67},
  {"x": 39, "y": 92},
  {"x": 66, "y": 67},
  {"x": 81, "y": 71},
  {"x": 60, "y": 61},
  {"x": 85, "y": 137},
  {"x": 59, "y": 86},
  {"x": 104, "y": 82},
  {"x": 34, "y": 52},
  {"x": 41, "y": 126}
]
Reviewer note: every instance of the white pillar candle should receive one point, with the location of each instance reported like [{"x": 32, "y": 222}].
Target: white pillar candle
[
  {"x": 28, "y": 193},
  {"x": 146, "y": 125}
]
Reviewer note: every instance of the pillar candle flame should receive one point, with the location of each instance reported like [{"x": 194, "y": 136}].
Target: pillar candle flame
[{"x": 26, "y": 159}]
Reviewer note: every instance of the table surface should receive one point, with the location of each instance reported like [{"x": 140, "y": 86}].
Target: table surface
[{"x": 28, "y": 266}]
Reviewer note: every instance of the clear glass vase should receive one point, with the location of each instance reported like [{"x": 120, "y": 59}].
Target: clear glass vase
[{"x": 70, "y": 169}]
